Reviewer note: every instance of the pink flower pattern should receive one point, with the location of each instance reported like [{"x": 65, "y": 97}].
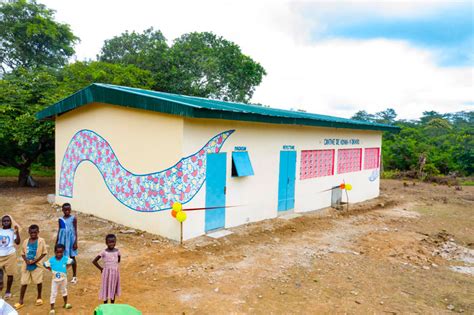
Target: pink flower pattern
[
  {"x": 371, "y": 158},
  {"x": 316, "y": 163},
  {"x": 147, "y": 192},
  {"x": 349, "y": 160}
]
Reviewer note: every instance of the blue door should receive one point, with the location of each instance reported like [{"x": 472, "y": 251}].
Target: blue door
[
  {"x": 286, "y": 182},
  {"x": 215, "y": 190}
]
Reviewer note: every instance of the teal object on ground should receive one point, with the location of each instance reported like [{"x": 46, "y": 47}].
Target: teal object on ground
[
  {"x": 198, "y": 107},
  {"x": 116, "y": 309}
]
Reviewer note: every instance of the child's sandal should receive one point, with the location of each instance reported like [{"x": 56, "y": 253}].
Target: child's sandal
[
  {"x": 39, "y": 302},
  {"x": 67, "y": 306},
  {"x": 18, "y": 306}
]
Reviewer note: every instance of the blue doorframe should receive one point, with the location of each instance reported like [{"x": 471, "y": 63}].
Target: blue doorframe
[
  {"x": 286, "y": 182},
  {"x": 215, "y": 190}
]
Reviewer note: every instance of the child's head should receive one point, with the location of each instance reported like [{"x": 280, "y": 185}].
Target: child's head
[
  {"x": 6, "y": 222},
  {"x": 66, "y": 209},
  {"x": 110, "y": 240},
  {"x": 59, "y": 250},
  {"x": 33, "y": 230}
]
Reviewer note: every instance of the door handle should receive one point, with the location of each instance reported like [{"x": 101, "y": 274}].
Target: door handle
[{"x": 225, "y": 190}]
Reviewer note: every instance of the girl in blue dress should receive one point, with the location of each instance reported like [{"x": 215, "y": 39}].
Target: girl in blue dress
[{"x": 67, "y": 235}]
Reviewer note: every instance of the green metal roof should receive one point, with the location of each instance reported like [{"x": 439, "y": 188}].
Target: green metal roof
[{"x": 196, "y": 107}]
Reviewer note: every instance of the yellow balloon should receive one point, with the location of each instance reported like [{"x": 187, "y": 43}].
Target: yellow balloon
[
  {"x": 348, "y": 187},
  {"x": 181, "y": 216},
  {"x": 177, "y": 206}
]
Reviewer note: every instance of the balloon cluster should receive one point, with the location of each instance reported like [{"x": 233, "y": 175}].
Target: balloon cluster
[
  {"x": 345, "y": 186},
  {"x": 178, "y": 212}
]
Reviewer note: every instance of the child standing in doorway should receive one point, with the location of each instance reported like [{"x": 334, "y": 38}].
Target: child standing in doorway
[
  {"x": 67, "y": 235},
  {"x": 58, "y": 265},
  {"x": 110, "y": 286},
  {"x": 33, "y": 251},
  {"x": 9, "y": 237}
]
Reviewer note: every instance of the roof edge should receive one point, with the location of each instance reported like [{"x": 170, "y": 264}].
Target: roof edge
[{"x": 149, "y": 100}]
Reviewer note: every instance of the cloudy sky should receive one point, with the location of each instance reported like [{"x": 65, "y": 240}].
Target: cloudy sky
[{"x": 329, "y": 57}]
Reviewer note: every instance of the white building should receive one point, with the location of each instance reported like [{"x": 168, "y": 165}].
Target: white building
[{"x": 144, "y": 150}]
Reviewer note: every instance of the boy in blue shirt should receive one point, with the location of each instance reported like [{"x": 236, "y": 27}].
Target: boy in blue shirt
[
  {"x": 33, "y": 251},
  {"x": 58, "y": 265}
]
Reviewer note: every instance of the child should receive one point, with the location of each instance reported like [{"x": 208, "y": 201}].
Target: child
[
  {"x": 5, "y": 308},
  {"x": 110, "y": 286},
  {"x": 32, "y": 252},
  {"x": 8, "y": 238},
  {"x": 67, "y": 235},
  {"x": 58, "y": 265}
]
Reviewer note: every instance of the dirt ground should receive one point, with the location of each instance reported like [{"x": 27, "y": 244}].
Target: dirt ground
[{"x": 409, "y": 251}]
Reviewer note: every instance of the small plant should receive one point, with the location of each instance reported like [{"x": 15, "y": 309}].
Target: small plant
[{"x": 391, "y": 174}]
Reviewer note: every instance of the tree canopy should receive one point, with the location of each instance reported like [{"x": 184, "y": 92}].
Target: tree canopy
[
  {"x": 29, "y": 37},
  {"x": 24, "y": 92},
  {"x": 197, "y": 64},
  {"x": 34, "y": 73},
  {"x": 444, "y": 141}
]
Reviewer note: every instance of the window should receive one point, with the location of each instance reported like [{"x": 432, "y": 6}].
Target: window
[
  {"x": 241, "y": 165},
  {"x": 371, "y": 158},
  {"x": 316, "y": 163},
  {"x": 349, "y": 160}
]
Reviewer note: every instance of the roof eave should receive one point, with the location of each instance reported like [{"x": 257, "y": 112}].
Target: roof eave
[{"x": 98, "y": 93}]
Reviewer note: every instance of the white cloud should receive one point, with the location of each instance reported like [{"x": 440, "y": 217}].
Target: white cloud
[{"x": 336, "y": 77}]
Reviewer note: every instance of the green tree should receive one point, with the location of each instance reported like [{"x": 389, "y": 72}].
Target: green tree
[
  {"x": 386, "y": 116},
  {"x": 362, "y": 115},
  {"x": 198, "y": 64},
  {"x": 22, "y": 138},
  {"x": 206, "y": 65},
  {"x": 80, "y": 74},
  {"x": 148, "y": 51},
  {"x": 29, "y": 37},
  {"x": 24, "y": 92},
  {"x": 443, "y": 143},
  {"x": 429, "y": 115}
]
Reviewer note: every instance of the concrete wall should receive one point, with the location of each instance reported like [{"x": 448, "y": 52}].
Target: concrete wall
[
  {"x": 146, "y": 142},
  {"x": 143, "y": 141},
  {"x": 258, "y": 194}
]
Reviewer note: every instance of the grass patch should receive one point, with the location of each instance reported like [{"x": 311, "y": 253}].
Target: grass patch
[
  {"x": 36, "y": 171},
  {"x": 8, "y": 172},
  {"x": 390, "y": 174},
  {"x": 468, "y": 183}
]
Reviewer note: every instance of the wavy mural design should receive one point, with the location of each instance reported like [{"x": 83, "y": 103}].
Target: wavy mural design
[{"x": 142, "y": 192}]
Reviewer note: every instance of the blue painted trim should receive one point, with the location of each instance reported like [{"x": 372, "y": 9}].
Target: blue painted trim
[
  {"x": 216, "y": 177},
  {"x": 150, "y": 211},
  {"x": 242, "y": 163},
  {"x": 286, "y": 180}
]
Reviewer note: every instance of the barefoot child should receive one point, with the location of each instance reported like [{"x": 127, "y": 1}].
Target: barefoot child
[
  {"x": 58, "y": 265},
  {"x": 110, "y": 286},
  {"x": 67, "y": 235},
  {"x": 33, "y": 251},
  {"x": 8, "y": 238}
]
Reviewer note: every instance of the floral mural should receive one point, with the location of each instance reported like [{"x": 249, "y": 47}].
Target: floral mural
[{"x": 142, "y": 192}]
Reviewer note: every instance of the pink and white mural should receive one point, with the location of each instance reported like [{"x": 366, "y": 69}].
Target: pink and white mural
[{"x": 142, "y": 192}]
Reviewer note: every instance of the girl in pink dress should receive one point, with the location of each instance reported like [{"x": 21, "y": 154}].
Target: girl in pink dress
[{"x": 110, "y": 286}]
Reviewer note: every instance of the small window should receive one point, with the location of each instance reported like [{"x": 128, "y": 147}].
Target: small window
[
  {"x": 316, "y": 163},
  {"x": 241, "y": 165},
  {"x": 349, "y": 160},
  {"x": 371, "y": 158}
]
